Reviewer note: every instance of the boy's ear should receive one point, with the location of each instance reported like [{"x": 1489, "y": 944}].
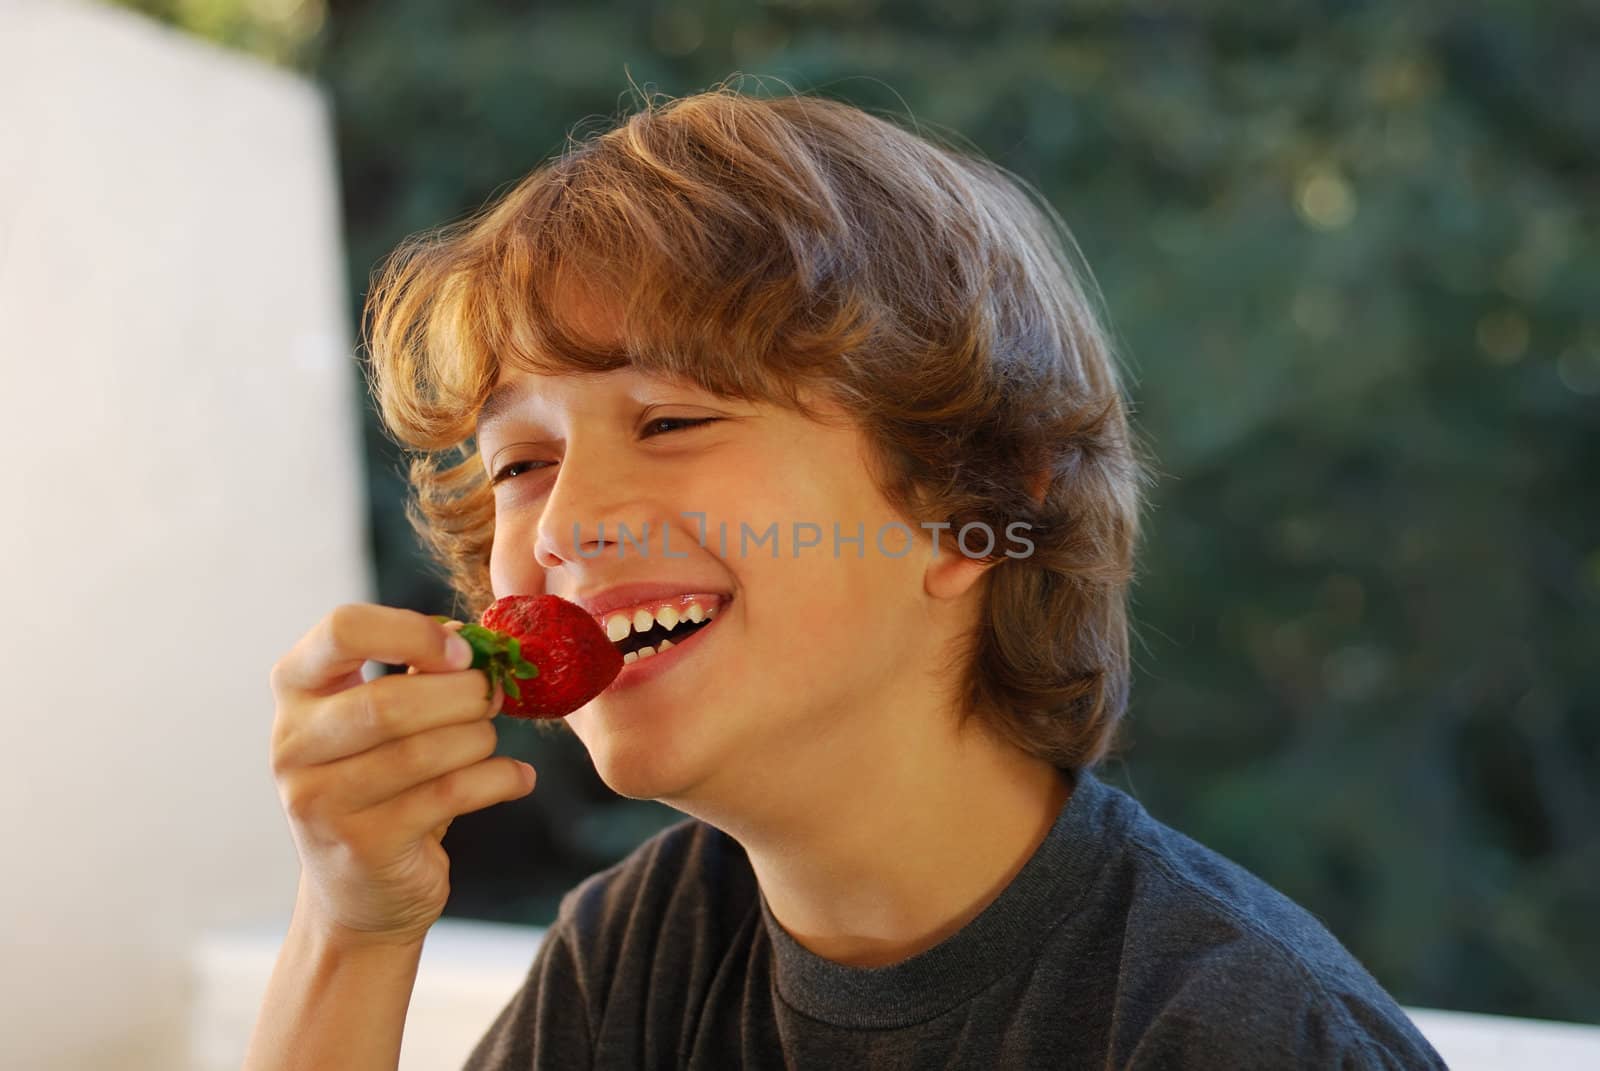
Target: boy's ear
[{"x": 951, "y": 573}]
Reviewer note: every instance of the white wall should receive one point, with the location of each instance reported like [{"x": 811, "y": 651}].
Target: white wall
[{"x": 181, "y": 499}]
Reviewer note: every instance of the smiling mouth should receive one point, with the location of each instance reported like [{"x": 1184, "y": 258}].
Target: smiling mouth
[{"x": 645, "y": 632}]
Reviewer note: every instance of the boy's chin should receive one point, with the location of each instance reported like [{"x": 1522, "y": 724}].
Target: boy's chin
[
  {"x": 643, "y": 773},
  {"x": 676, "y": 757}
]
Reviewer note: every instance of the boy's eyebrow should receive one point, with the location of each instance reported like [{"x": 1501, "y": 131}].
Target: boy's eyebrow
[{"x": 500, "y": 402}]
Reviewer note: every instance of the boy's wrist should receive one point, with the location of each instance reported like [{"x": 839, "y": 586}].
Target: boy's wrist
[{"x": 325, "y": 935}]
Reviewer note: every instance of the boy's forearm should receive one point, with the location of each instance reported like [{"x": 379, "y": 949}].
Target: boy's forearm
[{"x": 331, "y": 1004}]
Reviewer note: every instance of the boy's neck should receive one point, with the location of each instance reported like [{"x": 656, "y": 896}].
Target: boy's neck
[{"x": 896, "y": 868}]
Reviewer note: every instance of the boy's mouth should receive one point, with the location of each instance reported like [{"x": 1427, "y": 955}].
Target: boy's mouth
[{"x": 658, "y": 625}]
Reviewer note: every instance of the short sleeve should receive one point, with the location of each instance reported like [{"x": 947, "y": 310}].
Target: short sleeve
[{"x": 546, "y": 1024}]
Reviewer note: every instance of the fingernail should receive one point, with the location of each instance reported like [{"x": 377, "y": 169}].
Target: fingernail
[
  {"x": 528, "y": 773},
  {"x": 458, "y": 652}
]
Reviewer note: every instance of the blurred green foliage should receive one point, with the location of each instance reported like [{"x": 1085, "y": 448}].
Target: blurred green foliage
[
  {"x": 1351, "y": 252},
  {"x": 282, "y": 31}
]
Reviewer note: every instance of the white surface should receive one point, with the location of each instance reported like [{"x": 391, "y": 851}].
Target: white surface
[
  {"x": 470, "y": 970},
  {"x": 1498, "y": 1043},
  {"x": 183, "y": 500}
]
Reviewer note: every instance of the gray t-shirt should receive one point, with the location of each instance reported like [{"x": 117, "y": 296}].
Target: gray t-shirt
[{"x": 1120, "y": 943}]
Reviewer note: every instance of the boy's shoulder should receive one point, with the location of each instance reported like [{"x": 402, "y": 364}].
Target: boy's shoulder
[
  {"x": 1186, "y": 889},
  {"x": 1219, "y": 954}
]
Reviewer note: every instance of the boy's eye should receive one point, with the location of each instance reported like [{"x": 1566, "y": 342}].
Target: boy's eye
[
  {"x": 659, "y": 426},
  {"x": 513, "y": 469},
  {"x": 655, "y": 427}
]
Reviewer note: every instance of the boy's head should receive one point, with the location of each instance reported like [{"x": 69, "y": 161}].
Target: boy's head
[{"x": 729, "y": 313}]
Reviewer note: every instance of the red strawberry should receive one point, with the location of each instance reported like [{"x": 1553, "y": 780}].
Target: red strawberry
[{"x": 548, "y": 654}]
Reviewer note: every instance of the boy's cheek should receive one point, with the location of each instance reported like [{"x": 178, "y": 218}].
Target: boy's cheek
[{"x": 513, "y": 569}]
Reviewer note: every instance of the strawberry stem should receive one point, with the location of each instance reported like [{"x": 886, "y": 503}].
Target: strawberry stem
[{"x": 498, "y": 655}]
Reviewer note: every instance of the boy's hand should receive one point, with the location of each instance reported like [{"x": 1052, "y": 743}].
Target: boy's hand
[{"x": 371, "y": 773}]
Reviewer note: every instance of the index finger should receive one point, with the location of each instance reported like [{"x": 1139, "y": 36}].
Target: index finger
[{"x": 355, "y": 633}]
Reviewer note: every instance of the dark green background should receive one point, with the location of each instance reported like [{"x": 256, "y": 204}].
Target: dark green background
[{"x": 1350, "y": 251}]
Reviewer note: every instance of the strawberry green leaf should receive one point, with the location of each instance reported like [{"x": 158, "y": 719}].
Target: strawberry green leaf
[{"x": 499, "y": 656}]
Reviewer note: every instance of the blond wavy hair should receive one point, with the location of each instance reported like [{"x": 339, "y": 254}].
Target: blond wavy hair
[{"x": 765, "y": 247}]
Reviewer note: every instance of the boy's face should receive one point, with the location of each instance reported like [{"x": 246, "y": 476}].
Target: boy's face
[{"x": 806, "y": 645}]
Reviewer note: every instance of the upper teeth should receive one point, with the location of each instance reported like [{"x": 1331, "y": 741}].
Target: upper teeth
[{"x": 623, "y": 623}]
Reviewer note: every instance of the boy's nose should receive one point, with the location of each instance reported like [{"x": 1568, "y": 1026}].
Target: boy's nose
[{"x": 592, "y": 499}]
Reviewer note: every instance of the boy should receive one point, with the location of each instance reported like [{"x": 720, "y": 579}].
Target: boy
[{"x": 831, "y": 406}]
